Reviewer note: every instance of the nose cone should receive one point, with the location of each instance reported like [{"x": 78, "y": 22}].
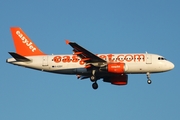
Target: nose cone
[{"x": 170, "y": 65}]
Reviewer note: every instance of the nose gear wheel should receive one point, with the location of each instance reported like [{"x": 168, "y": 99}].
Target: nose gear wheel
[
  {"x": 148, "y": 77},
  {"x": 149, "y": 81}
]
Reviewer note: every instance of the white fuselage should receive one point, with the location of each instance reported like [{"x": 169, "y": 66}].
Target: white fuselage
[{"x": 71, "y": 64}]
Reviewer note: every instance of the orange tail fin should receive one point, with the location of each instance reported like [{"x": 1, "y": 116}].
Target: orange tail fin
[{"x": 23, "y": 44}]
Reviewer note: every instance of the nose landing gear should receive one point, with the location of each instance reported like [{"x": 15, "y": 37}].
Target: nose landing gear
[
  {"x": 148, "y": 77},
  {"x": 149, "y": 81}
]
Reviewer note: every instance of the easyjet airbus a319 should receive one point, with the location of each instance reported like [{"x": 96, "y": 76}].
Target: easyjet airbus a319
[{"x": 111, "y": 68}]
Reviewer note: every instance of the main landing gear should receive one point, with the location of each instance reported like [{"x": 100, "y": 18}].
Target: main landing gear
[
  {"x": 95, "y": 85},
  {"x": 94, "y": 79},
  {"x": 148, "y": 77}
]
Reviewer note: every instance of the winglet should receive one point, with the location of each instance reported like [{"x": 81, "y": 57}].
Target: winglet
[{"x": 67, "y": 41}]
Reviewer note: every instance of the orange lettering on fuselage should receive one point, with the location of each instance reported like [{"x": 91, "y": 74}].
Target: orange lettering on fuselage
[
  {"x": 66, "y": 59},
  {"x": 139, "y": 57},
  {"x": 75, "y": 58},
  {"x": 128, "y": 58},
  {"x": 57, "y": 59},
  {"x": 109, "y": 58},
  {"x": 120, "y": 58},
  {"x": 81, "y": 62},
  {"x": 103, "y": 57}
]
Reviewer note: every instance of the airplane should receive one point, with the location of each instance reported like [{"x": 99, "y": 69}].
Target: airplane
[{"x": 111, "y": 68}]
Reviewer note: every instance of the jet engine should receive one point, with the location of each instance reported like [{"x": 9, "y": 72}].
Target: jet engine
[
  {"x": 118, "y": 68},
  {"x": 117, "y": 80}
]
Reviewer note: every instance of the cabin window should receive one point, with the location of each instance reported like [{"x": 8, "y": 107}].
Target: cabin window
[{"x": 161, "y": 58}]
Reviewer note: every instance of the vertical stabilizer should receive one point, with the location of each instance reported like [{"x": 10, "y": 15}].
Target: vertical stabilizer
[{"x": 23, "y": 44}]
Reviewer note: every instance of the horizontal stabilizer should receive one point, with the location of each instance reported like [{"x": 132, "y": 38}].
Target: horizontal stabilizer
[{"x": 19, "y": 57}]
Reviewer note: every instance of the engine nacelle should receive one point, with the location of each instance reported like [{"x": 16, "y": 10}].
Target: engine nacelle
[
  {"x": 117, "y": 80},
  {"x": 119, "y": 68}
]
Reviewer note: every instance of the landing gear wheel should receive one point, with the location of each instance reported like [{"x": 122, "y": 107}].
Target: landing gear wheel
[
  {"x": 149, "y": 81},
  {"x": 148, "y": 77},
  {"x": 92, "y": 78},
  {"x": 94, "y": 85}
]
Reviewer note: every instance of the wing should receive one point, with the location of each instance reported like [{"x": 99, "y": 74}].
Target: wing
[{"x": 84, "y": 54}]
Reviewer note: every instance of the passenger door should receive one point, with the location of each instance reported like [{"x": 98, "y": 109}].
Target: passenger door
[
  {"x": 45, "y": 61},
  {"x": 148, "y": 58}
]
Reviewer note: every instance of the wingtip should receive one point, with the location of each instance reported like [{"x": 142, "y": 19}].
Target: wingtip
[{"x": 67, "y": 41}]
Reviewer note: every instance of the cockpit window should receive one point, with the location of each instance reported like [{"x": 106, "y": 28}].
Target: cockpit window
[{"x": 161, "y": 58}]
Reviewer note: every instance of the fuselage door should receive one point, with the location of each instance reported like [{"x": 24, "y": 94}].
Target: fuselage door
[
  {"x": 148, "y": 58},
  {"x": 45, "y": 61}
]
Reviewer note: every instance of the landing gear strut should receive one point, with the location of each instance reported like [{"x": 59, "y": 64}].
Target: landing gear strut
[
  {"x": 148, "y": 77},
  {"x": 93, "y": 77},
  {"x": 94, "y": 80}
]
